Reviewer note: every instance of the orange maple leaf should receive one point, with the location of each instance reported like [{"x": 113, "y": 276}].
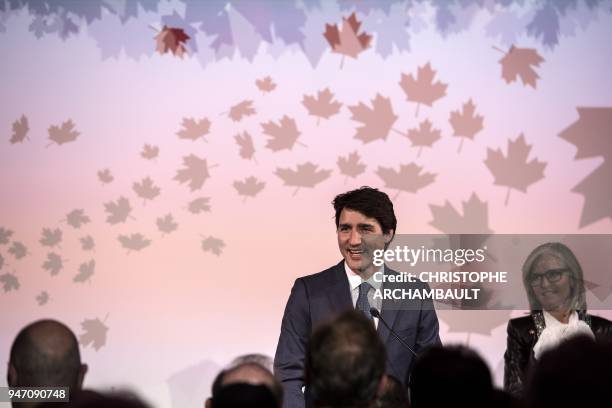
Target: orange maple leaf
[
  {"x": 422, "y": 90},
  {"x": 466, "y": 124},
  {"x": 423, "y": 136},
  {"x": 265, "y": 84},
  {"x": 350, "y": 165},
  {"x": 323, "y": 106},
  {"x": 194, "y": 129},
  {"x": 347, "y": 41},
  {"x": 306, "y": 175},
  {"x": 238, "y": 111},
  {"x": 171, "y": 39},
  {"x": 409, "y": 178},
  {"x": 283, "y": 136},
  {"x": 377, "y": 121},
  {"x": 514, "y": 171},
  {"x": 518, "y": 62}
]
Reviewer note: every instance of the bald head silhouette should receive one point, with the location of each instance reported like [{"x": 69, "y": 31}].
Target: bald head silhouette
[{"x": 46, "y": 353}]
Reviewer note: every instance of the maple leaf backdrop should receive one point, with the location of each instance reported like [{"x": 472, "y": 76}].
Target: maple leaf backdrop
[{"x": 162, "y": 204}]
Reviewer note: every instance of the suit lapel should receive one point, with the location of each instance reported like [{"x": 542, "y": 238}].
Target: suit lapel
[
  {"x": 389, "y": 311},
  {"x": 339, "y": 291}
]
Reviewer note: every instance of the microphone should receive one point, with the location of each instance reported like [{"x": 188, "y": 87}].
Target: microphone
[{"x": 375, "y": 313}]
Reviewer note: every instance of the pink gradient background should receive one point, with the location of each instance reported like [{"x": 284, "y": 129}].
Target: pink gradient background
[{"x": 172, "y": 305}]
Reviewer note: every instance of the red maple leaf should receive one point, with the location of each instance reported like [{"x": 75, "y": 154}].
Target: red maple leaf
[
  {"x": 409, "y": 178},
  {"x": 423, "y": 136},
  {"x": 466, "y": 124},
  {"x": 247, "y": 148},
  {"x": 146, "y": 189},
  {"x": 350, "y": 165},
  {"x": 422, "y": 90},
  {"x": 323, "y": 106},
  {"x": 20, "y": 130},
  {"x": 149, "y": 152},
  {"x": 475, "y": 218},
  {"x": 212, "y": 244},
  {"x": 250, "y": 187},
  {"x": 86, "y": 271},
  {"x": 195, "y": 172},
  {"x": 347, "y": 41},
  {"x": 194, "y": 129},
  {"x": 244, "y": 108},
  {"x": 63, "y": 134},
  {"x": 283, "y": 135},
  {"x": 514, "y": 171},
  {"x": 377, "y": 121},
  {"x": 305, "y": 175},
  {"x": 105, "y": 176},
  {"x": 95, "y": 333},
  {"x": 171, "y": 39},
  {"x": 265, "y": 84},
  {"x": 519, "y": 62},
  {"x": 591, "y": 136}
]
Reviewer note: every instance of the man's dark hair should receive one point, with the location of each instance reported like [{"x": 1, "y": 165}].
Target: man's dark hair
[
  {"x": 345, "y": 362},
  {"x": 370, "y": 202},
  {"x": 94, "y": 399},
  {"x": 46, "y": 353},
  {"x": 451, "y": 376}
]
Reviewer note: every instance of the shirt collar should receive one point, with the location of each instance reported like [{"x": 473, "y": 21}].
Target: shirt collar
[{"x": 355, "y": 280}]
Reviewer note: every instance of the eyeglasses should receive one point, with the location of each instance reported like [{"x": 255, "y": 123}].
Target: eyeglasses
[{"x": 551, "y": 275}]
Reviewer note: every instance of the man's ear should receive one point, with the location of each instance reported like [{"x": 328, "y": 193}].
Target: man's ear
[
  {"x": 388, "y": 236},
  {"x": 11, "y": 375},
  {"x": 208, "y": 403},
  {"x": 82, "y": 372}
]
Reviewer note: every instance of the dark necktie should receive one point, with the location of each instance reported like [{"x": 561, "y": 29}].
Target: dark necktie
[{"x": 362, "y": 300}]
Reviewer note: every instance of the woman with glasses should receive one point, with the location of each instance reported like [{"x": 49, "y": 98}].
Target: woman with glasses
[{"x": 553, "y": 281}]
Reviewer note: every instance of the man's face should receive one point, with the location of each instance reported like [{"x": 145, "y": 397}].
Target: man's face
[{"x": 358, "y": 238}]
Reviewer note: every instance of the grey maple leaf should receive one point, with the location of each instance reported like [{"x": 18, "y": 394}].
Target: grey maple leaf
[
  {"x": 199, "y": 205},
  {"x": 76, "y": 218},
  {"x": 18, "y": 250},
  {"x": 42, "y": 298},
  {"x": 86, "y": 270},
  {"x": 63, "y": 134},
  {"x": 1, "y": 261},
  {"x": 51, "y": 237},
  {"x": 5, "y": 235},
  {"x": 9, "y": 282},
  {"x": 247, "y": 148},
  {"x": 166, "y": 224},
  {"x": 250, "y": 187},
  {"x": 118, "y": 211},
  {"x": 212, "y": 244},
  {"x": 87, "y": 243},
  {"x": 134, "y": 242},
  {"x": 194, "y": 129},
  {"x": 95, "y": 333},
  {"x": 53, "y": 264}
]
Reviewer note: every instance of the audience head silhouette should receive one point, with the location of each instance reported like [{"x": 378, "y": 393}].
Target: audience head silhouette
[
  {"x": 453, "y": 376},
  {"x": 46, "y": 353},
  {"x": 345, "y": 362}
]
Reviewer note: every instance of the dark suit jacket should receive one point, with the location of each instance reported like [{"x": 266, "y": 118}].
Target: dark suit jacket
[
  {"x": 317, "y": 298},
  {"x": 523, "y": 333}
]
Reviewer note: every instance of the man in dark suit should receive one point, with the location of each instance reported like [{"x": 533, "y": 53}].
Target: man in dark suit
[{"x": 365, "y": 222}]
